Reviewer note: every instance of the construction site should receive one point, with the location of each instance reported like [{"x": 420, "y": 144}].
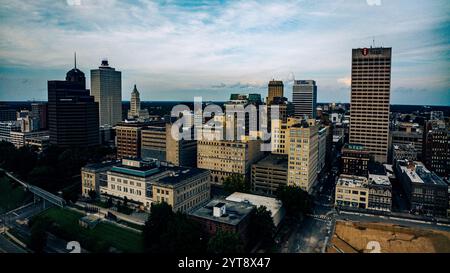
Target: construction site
[{"x": 370, "y": 237}]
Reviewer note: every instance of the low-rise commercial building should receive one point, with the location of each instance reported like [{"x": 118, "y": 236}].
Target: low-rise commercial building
[
  {"x": 355, "y": 160},
  {"x": 427, "y": 193},
  {"x": 6, "y": 127},
  {"x": 40, "y": 142},
  {"x": 380, "y": 193},
  {"x": 273, "y": 205},
  {"x": 352, "y": 191},
  {"x": 269, "y": 174},
  {"x": 224, "y": 215},
  {"x": 19, "y": 139}
]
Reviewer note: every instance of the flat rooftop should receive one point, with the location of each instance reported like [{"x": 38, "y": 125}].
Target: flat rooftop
[
  {"x": 418, "y": 173},
  {"x": 274, "y": 161},
  {"x": 180, "y": 174},
  {"x": 382, "y": 180},
  {"x": 352, "y": 181},
  {"x": 100, "y": 166},
  {"x": 235, "y": 211},
  {"x": 272, "y": 204}
]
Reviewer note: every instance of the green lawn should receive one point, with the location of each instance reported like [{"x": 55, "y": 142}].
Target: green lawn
[
  {"x": 115, "y": 236},
  {"x": 12, "y": 195}
]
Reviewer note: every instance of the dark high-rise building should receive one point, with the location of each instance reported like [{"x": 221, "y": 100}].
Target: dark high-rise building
[
  {"x": 39, "y": 111},
  {"x": 436, "y": 147},
  {"x": 304, "y": 98},
  {"x": 8, "y": 114},
  {"x": 276, "y": 89},
  {"x": 370, "y": 94},
  {"x": 276, "y": 97},
  {"x": 72, "y": 112}
]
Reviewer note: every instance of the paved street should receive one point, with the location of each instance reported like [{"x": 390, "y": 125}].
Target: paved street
[
  {"x": 312, "y": 234},
  {"x": 396, "y": 221},
  {"x": 17, "y": 220},
  {"x": 6, "y": 246}
]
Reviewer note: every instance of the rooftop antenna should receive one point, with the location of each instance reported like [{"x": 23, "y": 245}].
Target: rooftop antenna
[
  {"x": 75, "y": 59},
  {"x": 373, "y": 41}
]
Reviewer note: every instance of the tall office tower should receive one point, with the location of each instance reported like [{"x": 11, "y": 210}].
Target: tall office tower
[
  {"x": 72, "y": 112},
  {"x": 282, "y": 104},
  {"x": 128, "y": 137},
  {"x": 135, "y": 103},
  {"x": 180, "y": 152},
  {"x": 39, "y": 111},
  {"x": 276, "y": 89},
  {"x": 304, "y": 98},
  {"x": 280, "y": 135},
  {"x": 238, "y": 103},
  {"x": 369, "y": 107},
  {"x": 303, "y": 152},
  {"x": 153, "y": 142},
  {"x": 224, "y": 157},
  {"x": 436, "y": 148},
  {"x": 106, "y": 87}
]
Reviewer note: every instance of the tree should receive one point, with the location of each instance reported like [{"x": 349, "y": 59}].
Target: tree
[
  {"x": 17, "y": 158},
  {"x": 225, "y": 242},
  {"x": 183, "y": 235},
  {"x": 6, "y": 149},
  {"x": 296, "y": 201},
  {"x": 235, "y": 183},
  {"x": 44, "y": 176},
  {"x": 38, "y": 238},
  {"x": 156, "y": 225},
  {"x": 262, "y": 228},
  {"x": 168, "y": 232}
]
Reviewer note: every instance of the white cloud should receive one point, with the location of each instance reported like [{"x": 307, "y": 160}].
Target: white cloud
[
  {"x": 171, "y": 47},
  {"x": 347, "y": 81}
]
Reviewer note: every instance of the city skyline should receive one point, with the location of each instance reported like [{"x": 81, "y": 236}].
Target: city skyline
[{"x": 212, "y": 49}]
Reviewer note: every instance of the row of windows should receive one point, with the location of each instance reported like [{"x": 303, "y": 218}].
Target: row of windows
[
  {"x": 340, "y": 190},
  {"x": 126, "y": 182},
  {"x": 126, "y": 190}
]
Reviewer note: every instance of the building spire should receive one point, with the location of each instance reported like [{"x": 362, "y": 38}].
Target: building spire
[{"x": 75, "y": 59}]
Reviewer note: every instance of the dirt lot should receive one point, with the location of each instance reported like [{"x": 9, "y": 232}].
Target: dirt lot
[{"x": 357, "y": 237}]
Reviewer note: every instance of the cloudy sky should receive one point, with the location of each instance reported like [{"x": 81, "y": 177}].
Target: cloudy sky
[{"x": 175, "y": 50}]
